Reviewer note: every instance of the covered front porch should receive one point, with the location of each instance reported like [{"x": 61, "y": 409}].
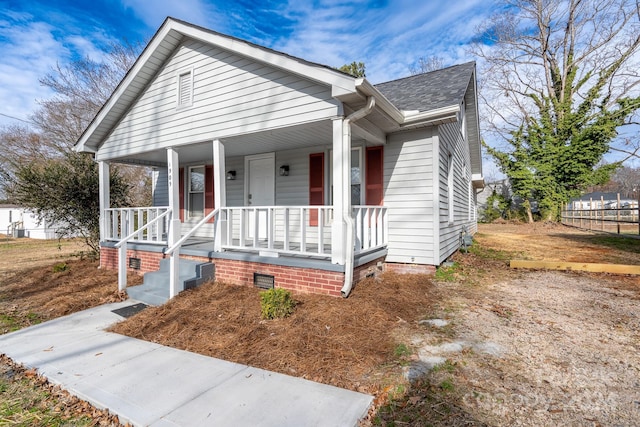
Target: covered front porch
[{"x": 224, "y": 200}]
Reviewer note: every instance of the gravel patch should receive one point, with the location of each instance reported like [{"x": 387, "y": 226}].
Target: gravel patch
[{"x": 548, "y": 348}]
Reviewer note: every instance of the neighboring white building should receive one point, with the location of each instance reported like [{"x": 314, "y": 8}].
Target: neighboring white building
[
  {"x": 19, "y": 222},
  {"x": 600, "y": 200}
]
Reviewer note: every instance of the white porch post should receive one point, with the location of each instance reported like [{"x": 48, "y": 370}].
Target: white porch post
[
  {"x": 104, "y": 195},
  {"x": 220, "y": 192},
  {"x": 341, "y": 191},
  {"x": 173, "y": 169}
]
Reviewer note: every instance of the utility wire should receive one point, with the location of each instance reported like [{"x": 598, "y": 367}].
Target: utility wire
[{"x": 15, "y": 118}]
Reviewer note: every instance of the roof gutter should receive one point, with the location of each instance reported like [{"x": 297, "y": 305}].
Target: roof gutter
[
  {"x": 346, "y": 213},
  {"x": 444, "y": 114}
]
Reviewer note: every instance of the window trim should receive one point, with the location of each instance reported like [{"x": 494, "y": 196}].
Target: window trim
[
  {"x": 450, "y": 187},
  {"x": 329, "y": 167},
  {"x": 179, "y": 74},
  {"x": 463, "y": 120}
]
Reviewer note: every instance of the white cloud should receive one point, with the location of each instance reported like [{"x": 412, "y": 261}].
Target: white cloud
[
  {"x": 153, "y": 13},
  {"x": 387, "y": 38},
  {"x": 30, "y": 50}
]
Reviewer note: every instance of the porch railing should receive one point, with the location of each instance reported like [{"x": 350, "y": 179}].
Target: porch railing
[
  {"x": 299, "y": 230},
  {"x": 141, "y": 230},
  {"x": 372, "y": 228},
  {"x": 122, "y": 222}
]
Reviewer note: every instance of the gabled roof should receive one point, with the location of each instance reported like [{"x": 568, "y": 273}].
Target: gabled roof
[
  {"x": 168, "y": 37},
  {"x": 429, "y": 91},
  {"x": 597, "y": 195},
  {"x": 425, "y": 99}
]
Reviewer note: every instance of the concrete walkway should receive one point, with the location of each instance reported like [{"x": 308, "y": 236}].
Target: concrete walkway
[{"x": 149, "y": 384}]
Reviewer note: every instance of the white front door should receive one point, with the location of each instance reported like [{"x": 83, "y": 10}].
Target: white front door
[{"x": 260, "y": 179}]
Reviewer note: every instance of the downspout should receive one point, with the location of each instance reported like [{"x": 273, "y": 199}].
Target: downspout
[{"x": 346, "y": 214}]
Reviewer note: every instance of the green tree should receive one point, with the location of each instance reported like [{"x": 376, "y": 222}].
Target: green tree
[
  {"x": 356, "y": 69},
  {"x": 64, "y": 191},
  {"x": 560, "y": 81}
]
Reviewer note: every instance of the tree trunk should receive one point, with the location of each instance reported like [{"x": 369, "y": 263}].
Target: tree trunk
[{"x": 529, "y": 214}]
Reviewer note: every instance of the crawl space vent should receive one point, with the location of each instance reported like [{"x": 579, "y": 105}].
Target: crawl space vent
[
  {"x": 134, "y": 263},
  {"x": 263, "y": 281}
]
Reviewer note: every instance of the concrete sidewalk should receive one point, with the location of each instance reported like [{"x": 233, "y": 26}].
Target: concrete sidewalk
[{"x": 149, "y": 384}]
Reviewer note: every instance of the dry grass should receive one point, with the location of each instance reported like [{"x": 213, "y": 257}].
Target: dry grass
[
  {"x": 40, "y": 293},
  {"x": 28, "y": 399},
  {"x": 20, "y": 254}
]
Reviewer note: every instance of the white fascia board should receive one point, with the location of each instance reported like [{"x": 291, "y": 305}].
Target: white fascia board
[
  {"x": 382, "y": 102},
  {"x": 317, "y": 73},
  {"x": 443, "y": 114},
  {"x": 123, "y": 86}
]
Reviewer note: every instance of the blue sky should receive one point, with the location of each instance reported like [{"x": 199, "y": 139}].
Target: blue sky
[{"x": 387, "y": 35}]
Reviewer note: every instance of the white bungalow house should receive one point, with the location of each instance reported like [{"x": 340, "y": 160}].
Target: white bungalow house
[
  {"x": 16, "y": 221},
  {"x": 273, "y": 170}
]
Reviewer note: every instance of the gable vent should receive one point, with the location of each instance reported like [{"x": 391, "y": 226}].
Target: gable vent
[{"x": 185, "y": 87}]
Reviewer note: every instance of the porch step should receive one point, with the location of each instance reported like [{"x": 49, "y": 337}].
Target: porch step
[{"x": 155, "y": 287}]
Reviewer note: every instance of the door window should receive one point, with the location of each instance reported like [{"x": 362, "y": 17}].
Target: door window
[
  {"x": 196, "y": 192},
  {"x": 356, "y": 176}
]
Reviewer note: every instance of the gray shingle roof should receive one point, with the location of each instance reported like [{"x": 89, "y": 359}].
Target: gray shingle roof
[{"x": 429, "y": 91}]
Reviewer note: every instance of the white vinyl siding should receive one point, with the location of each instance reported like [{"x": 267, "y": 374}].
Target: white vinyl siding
[
  {"x": 450, "y": 188},
  {"x": 160, "y": 194},
  {"x": 233, "y": 95},
  {"x": 455, "y": 201},
  {"x": 291, "y": 190},
  {"x": 409, "y": 195}
]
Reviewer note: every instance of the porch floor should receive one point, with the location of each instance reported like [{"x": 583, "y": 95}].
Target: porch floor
[
  {"x": 200, "y": 247},
  {"x": 311, "y": 249}
]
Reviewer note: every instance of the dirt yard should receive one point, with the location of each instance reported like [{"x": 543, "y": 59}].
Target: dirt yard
[
  {"x": 529, "y": 348},
  {"x": 479, "y": 344}
]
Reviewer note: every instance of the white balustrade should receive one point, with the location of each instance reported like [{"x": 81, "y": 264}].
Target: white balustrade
[{"x": 122, "y": 222}]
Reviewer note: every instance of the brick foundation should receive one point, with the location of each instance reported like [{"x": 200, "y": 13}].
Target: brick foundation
[
  {"x": 304, "y": 280},
  {"x": 149, "y": 261},
  {"x": 297, "y": 279},
  {"x": 410, "y": 268}
]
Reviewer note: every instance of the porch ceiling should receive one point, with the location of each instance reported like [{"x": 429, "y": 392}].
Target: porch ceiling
[{"x": 316, "y": 134}]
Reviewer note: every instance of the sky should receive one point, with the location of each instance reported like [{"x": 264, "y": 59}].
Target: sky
[{"x": 387, "y": 35}]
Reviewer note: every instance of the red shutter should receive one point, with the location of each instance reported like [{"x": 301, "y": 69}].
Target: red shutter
[
  {"x": 181, "y": 192},
  {"x": 209, "y": 200},
  {"x": 374, "y": 176},
  {"x": 316, "y": 184}
]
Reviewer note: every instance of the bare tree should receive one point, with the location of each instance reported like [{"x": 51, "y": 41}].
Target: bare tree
[
  {"x": 45, "y": 153},
  {"x": 627, "y": 180},
  {"x": 426, "y": 64},
  {"x": 559, "y": 81},
  {"x": 81, "y": 88}
]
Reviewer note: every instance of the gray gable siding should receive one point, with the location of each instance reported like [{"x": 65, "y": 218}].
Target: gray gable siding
[
  {"x": 160, "y": 190},
  {"x": 464, "y": 209},
  {"x": 409, "y": 194},
  {"x": 231, "y": 95}
]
